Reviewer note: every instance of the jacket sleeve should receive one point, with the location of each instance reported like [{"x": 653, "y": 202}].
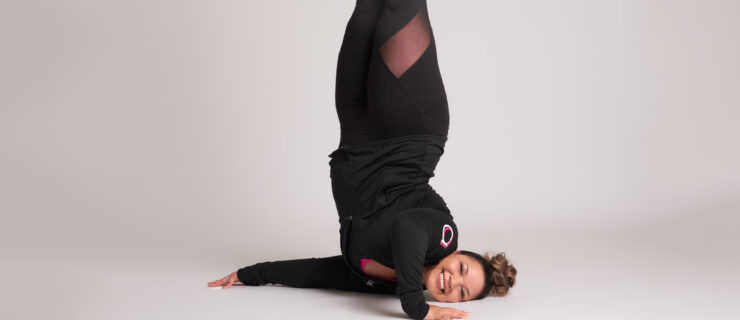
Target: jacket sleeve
[
  {"x": 409, "y": 244},
  {"x": 329, "y": 272}
]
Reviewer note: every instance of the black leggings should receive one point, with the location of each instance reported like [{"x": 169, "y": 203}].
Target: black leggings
[{"x": 388, "y": 81}]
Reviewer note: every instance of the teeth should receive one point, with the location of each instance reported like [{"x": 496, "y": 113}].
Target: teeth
[{"x": 442, "y": 280}]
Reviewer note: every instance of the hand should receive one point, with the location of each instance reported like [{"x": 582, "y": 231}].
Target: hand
[
  {"x": 226, "y": 281},
  {"x": 442, "y": 313}
]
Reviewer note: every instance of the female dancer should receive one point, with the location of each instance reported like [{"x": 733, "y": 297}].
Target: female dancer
[{"x": 397, "y": 235}]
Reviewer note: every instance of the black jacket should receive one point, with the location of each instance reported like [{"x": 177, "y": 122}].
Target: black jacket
[{"x": 383, "y": 197}]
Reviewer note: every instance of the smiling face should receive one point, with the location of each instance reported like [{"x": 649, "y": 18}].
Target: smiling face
[{"x": 454, "y": 279}]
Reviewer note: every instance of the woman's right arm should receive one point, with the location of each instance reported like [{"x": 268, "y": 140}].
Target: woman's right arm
[{"x": 329, "y": 272}]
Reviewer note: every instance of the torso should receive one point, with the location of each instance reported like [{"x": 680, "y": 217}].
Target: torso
[{"x": 379, "y": 179}]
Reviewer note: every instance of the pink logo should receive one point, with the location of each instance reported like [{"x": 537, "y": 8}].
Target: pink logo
[{"x": 444, "y": 231}]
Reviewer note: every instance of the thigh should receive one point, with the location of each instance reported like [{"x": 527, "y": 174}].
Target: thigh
[{"x": 406, "y": 94}]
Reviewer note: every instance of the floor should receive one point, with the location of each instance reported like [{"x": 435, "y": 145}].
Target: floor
[{"x": 651, "y": 272}]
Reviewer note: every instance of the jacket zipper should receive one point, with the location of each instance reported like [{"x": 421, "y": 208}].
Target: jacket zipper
[{"x": 369, "y": 282}]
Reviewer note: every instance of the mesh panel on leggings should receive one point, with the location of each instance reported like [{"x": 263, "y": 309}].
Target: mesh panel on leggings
[{"x": 407, "y": 45}]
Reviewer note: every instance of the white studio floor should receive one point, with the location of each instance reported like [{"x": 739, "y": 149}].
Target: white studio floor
[{"x": 655, "y": 272}]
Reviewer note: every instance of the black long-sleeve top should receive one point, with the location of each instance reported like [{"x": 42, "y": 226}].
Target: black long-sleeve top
[{"x": 382, "y": 195}]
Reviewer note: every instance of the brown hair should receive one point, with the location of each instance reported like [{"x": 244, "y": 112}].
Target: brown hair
[{"x": 499, "y": 273}]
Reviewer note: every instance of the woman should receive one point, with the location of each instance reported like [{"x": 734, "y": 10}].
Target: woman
[{"x": 397, "y": 234}]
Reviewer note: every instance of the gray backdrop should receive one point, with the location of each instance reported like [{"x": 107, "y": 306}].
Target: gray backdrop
[{"x": 595, "y": 142}]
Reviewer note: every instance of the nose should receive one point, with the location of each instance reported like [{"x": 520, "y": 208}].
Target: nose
[{"x": 455, "y": 280}]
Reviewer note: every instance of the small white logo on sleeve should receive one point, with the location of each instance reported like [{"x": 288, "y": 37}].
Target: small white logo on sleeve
[{"x": 444, "y": 232}]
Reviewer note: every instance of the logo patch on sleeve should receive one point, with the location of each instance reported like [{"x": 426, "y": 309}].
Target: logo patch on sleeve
[{"x": 445, "y": 229}]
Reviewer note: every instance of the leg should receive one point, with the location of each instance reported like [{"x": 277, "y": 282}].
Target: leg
[
  {"x": 405, "y": 92},
  {"x": 353, "y": 62}
]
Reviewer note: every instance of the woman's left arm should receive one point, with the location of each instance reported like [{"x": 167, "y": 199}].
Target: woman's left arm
[
  {"x": 409, "y": 243},
  {"x": 418, "y": 234}
]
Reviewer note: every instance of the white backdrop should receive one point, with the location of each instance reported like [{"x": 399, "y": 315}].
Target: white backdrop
[{"x": 595, "y": 142}]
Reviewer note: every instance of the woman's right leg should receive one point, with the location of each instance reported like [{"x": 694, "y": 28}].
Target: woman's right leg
[{"x": 405, "y": 93}]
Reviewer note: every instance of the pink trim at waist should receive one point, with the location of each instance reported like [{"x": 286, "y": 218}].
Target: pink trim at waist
[{"x": 364, "y": 262}]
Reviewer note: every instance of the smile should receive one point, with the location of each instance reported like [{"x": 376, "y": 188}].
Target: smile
[{"x": 442, "y": 281}]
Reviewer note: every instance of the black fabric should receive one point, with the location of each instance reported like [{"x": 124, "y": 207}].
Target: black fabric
[
  {"x": 414, "y": 242},
  {"x": 386, "y": 206},
  {"x": 385, "y": 203},
  {"x": 330, "y": 272},
  {"x": 393, "y": 116},
  {"x": 388, "y": 82}
]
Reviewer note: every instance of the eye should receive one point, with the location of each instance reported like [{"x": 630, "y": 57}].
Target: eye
[{"x": 461, "y": 290}]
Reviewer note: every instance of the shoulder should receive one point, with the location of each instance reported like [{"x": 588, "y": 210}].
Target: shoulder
[
  {"x": 438, "y": 226},
  {"x": 424, "y": 216}
]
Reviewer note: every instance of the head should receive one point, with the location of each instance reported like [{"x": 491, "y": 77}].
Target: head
[{"x": 469, "y": 276}]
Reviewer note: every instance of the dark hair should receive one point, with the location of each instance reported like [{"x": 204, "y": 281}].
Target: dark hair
[{"x": 499, "y": 274}]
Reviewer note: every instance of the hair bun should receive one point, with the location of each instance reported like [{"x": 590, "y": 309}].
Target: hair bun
[{"x": 504, "y": 274}]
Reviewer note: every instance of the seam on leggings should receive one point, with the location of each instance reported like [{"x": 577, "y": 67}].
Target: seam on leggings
[
  {"x": 416, "y": 105},
  {"x": 398, "y": 80}
]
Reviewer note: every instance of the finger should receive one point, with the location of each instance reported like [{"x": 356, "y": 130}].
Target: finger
[
  {"x": 228, "y": 285},
  {"x": 213, "y": 283},
  {"x": 220, "y": 282},
  {"x": 456, "y": 313},
  {"x": 455, "y": 310}
]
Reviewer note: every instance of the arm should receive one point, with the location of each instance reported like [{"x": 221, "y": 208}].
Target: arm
[
  {"x": 329, "y": 272},
  {"x": 409, "y": 244}
]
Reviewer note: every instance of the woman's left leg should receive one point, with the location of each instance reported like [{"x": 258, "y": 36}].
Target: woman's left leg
[{"x": 353, "y": 61}]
